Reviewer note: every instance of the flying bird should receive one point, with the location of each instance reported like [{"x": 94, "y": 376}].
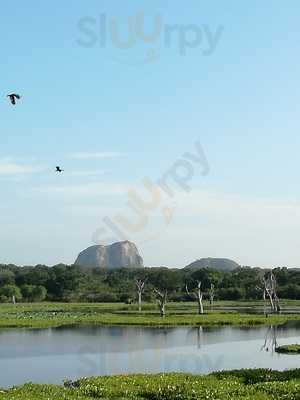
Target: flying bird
[
  {"x": 13, "y": 97},
  {"x": 58, "y": 169}
]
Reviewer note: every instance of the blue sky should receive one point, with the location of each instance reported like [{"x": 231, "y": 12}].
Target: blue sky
[{"x": 113, "y": 116}]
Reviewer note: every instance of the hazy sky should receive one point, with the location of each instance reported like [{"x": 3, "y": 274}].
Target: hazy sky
[{"x": 113, "y": 108}]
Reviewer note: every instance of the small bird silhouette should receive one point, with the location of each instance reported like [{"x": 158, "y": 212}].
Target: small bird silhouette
[
  {"x": 58, "y": 169},
  {"x": 13, "y": 97}
]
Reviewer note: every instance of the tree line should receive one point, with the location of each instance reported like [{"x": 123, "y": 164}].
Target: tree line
[{"x": 69, "y": 283}]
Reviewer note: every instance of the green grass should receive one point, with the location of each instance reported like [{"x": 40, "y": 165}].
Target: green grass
[
  {"x": 234, "y": 385},
  {"x": 289, "y": 349},
  {"x": 46, "y": 315}
]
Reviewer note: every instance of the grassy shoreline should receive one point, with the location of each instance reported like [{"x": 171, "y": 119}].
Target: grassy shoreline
[
  {"x": 46, "y": 315},
  {"x": 257, "y": 384}
]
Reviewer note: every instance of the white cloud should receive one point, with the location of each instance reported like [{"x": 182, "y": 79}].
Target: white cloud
[
  {"x": 96, "y": 155},
  {"x": 87, "y": 173},
  {"x": 10, "y": 167},
  {"x": 253, "y": 230},
  {"x": 234, "y": 209},
  {"x": 87, "y": 189}
]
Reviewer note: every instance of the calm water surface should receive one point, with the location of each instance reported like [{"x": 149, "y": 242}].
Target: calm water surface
[{"x": 51, "y": 355}]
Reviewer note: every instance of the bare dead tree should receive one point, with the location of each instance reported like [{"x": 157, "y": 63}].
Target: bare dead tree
[
  {"x": 198, "y": 294},
  {"x": 140, "y": 284},
  {"x": 270, "y": 291},
  {"x": 161, "y": 297},
  {"x": 211, "y": 293},
  {"x": 265, "y": 303}
]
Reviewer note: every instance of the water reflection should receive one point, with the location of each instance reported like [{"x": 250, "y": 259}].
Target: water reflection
[
  {"x": 270, "y": 344},
  {"x": 51, "y": 355}
]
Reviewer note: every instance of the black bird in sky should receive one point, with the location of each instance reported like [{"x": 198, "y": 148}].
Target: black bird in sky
[
  {"x": 58, "y": 169},
  {"x": 13, "y": 97}
]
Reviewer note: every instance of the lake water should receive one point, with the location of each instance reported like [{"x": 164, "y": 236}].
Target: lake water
[{"x": 52, "y": 355}]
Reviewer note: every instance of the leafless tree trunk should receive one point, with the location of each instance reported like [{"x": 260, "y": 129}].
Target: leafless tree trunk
[
  {"x": 269, "y": 291},
  {"x": 198, "y": 294},
  {"x": 140, "y": 284},
  {"x": 270, "y": 286},
  {"x": 265, "y": 302},
  {"x": 211, "y": 293},
  {"x": 162, "y": 300}
]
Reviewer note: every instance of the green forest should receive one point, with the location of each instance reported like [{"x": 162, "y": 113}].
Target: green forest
[{"x": 69, "y": 283}]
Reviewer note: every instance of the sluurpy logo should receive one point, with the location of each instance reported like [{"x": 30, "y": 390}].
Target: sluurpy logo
[{"x": 109, "y": 32}]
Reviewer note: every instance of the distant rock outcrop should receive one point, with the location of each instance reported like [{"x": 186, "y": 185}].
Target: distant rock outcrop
[
  {"x": 115, "y": 256},
  {"x": 220, "y": 264}
]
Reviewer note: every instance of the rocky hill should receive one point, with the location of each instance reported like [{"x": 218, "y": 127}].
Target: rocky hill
[
  {"x": 115, "y": 256},
  {"x": 220, "y": 264}
]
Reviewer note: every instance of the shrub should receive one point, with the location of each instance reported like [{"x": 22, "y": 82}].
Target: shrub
[{"x": 8, "y": 291}]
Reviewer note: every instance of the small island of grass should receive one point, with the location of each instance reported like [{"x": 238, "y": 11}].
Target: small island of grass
[{"x": 289, "y": 349}]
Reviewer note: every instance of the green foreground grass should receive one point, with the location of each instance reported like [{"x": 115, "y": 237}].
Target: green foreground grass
[
  {"x": 45, "y": 315},
  {"x": 237, "y": 385},
  {"x": 289, "y": 349}
]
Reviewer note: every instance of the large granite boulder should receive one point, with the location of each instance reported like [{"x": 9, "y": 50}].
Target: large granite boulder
[
  {"x": 220, "y": 264},
  {"x": 117, "y": 255}
]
